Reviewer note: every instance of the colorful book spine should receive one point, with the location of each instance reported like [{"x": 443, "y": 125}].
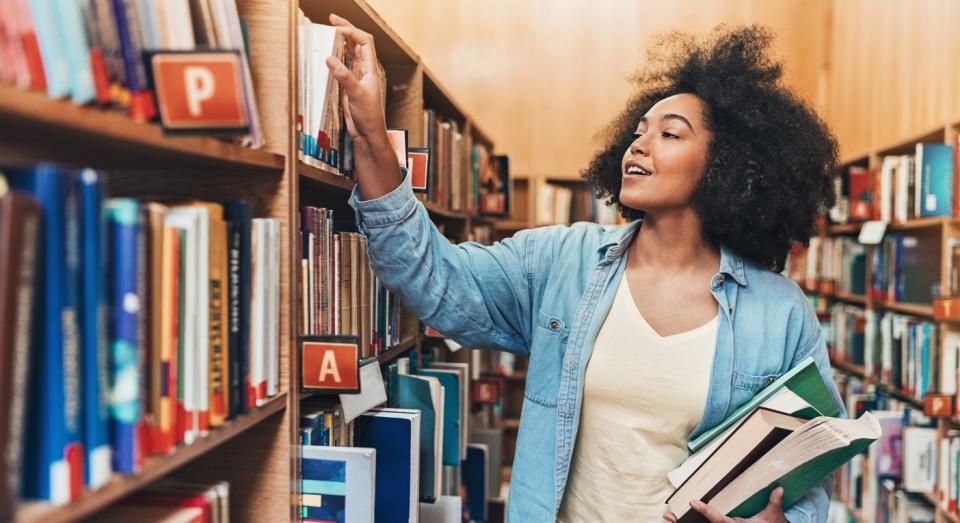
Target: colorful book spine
[
  {"x": 94, "y": 343},
  {"x": 55, "y": 65},
  {"x": 76, "y": 50},
  {"x": 53, "y": 457},
  {"x": 142, "y": 106},
  {"x": 169, "y": 336},
  {"x": 123, "y": 218}
]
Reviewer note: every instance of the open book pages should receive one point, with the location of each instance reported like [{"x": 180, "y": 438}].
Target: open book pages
[{"x": 784, "y": 400}]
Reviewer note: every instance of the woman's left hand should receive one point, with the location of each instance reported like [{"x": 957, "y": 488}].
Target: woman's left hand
[{"x": 772, "y": 514}]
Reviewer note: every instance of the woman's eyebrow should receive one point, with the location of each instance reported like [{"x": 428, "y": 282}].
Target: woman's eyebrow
[{"x": 670, "y": 116}]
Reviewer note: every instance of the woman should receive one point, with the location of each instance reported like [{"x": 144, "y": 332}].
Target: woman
[{"x": 638, "y": 337}]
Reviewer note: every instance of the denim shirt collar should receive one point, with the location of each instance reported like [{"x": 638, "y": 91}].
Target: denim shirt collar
[{"x": 618, "y": 239}]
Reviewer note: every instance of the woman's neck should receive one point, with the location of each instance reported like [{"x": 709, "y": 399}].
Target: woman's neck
[{"x": 673, "y": 239}]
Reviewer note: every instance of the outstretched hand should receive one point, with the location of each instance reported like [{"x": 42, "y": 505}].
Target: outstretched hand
[
  {"x": 773, "y": 513},
  {"x": 363, "y": 107}
]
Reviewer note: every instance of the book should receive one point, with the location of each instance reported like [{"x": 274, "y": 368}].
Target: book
[
  {"x": 919, "y": 459},
  {"x": 237, "y": 212},
  {"x": 770, "y": 450},
  {"x": 19, "y": 232},
  {"x": 94, "y": 344},
  {"x": 395, "y": 435},
  {"x": 804, "y": 380},
  {"x": 475, "y": 480},
  {"x": 934, "y": 179},
  {"x": 126, "y": 402},
  {"x": 53, "y": 462},
  {"x": 338, "y": 484},
  {"x": 425, "y": 394}
]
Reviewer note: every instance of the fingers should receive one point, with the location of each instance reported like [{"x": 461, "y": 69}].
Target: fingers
[
  {"x": 668, "y": 516},
  {"x": 341, "y": 73},
  {"x": 359, "y": 46},
  {"x": 776, "y": 500},
  {"x": 712, "y": 515}
]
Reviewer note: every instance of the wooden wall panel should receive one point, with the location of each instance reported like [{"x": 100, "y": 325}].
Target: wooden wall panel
[{"x": 544, "y": 78}]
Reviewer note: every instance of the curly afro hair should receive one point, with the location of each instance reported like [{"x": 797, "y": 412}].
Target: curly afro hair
[{"x": 771, "y": 161}]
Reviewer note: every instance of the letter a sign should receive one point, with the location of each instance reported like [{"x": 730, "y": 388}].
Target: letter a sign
[
  {"x": 329, "y": 364},
  {"x": 200, "y": 92}
]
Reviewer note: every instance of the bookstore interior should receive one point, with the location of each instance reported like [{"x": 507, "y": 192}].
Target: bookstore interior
[{"x": 193, "y": 325}]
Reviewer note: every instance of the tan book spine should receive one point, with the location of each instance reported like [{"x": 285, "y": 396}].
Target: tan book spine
[{"x": 155, "y": 214}]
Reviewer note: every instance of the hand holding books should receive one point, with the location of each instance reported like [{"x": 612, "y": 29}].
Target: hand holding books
[
  {"x": 375, "y": 163},
  {"x": 772, "y": 514}
]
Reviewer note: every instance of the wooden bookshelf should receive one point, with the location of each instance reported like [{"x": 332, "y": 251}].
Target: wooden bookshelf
[
  {"x": 258, "y": 453},
  {"x": 915, "y": 224},
  {"x": 154, "y": 468},
  {"x": 31, "y": 124},
  {"x": 915, "y": 309},
  {"x": 855, "y": 299}
]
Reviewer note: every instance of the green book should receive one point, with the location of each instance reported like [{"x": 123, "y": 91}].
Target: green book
[
  {"x": 768, "y": 450},
  {"x": 804, "y": 380}
]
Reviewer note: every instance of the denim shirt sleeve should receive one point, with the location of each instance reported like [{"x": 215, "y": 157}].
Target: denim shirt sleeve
[
  {"x": 815, "y": 504},
  {"x": 478, "y": 295}
]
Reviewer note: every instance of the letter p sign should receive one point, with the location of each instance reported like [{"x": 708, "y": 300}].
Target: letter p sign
[{"x": 200, "y": 92}]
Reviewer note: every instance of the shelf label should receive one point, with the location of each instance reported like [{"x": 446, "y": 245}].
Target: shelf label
[
  {"x": 871, "y": 233},
  {"x": 329, "y": 364},
  {"x": 199, "y": 92}
]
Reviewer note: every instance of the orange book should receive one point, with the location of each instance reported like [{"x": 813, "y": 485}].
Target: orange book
[
  {"x": 153, "y": 219},
  {"x": 169, "y": 336}
]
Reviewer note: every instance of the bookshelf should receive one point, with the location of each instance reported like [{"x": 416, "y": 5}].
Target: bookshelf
[
  {"x": 258, "y": 452},
  {"x": 935, "y": 230}
]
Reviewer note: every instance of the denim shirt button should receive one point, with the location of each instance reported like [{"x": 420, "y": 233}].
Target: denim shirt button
[{"x": 554, "y": 324}]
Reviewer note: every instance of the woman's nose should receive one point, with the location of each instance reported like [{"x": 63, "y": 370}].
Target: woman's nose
[{"x": 638, "y": 147}]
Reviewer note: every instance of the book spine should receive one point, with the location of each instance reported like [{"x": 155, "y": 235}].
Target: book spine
[
  {"x": 76, "y": 50},
  {"x": 125, "y": 396},
  {"x": 233, "y": 318},
  {"x": 20, "y": 224},
  {"x": 94, "y": 343},
  {"x": 142, "y": 106},
  {"x": 98, "y": 61},
  {"x": 218, "y": 363},
  {"x": 170, "y": 290},
  {"x": 48, "y": 36}
]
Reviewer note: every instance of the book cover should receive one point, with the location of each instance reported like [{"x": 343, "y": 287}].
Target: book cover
[
  {"x": 169, "y": 335},
  {"x": 451, "y": 414},
  {"x": 126, "y": 403},
  {"x": 142, "y": 105},
  {"x": 237, "y": 212},
  {"x": 934, "y": 179},
  {"x": 395, "y": 435},
  {"x": 338, "y": 484},
  {"x": 186, "y": 221},
  {"x": 94, "y": 343},
  {"x": 804, "y": 380},
  {"x": 53, "y": 462},
  {"x": 19, "y": 232},
  {"x": 55, "y": 66},
  {"x": 475, "y": 472},
  {"x": 421, "y": 393}
]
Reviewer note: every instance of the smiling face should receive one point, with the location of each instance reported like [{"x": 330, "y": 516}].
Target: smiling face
[{"x": 662, "y": 166}]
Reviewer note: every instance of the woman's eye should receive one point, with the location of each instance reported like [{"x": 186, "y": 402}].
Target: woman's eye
[
  {"x": 670, "y": 136},
  {"x": 637, "y": 134}
]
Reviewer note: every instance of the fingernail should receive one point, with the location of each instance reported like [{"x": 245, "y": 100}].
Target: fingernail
[{"x": 695, "y": 503}]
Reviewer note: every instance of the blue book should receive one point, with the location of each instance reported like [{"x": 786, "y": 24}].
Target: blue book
[
  {"x": 474, "y": 476},
  {"x": 53, "y": 453},
  {"x": 56, "y": 70},
  {"x": 237, "y": 212},
  {"x": 123, "y": 218},
  {"x": 94, "y": 341},
  {"x": 395, "y": 435},
  {"x": 934, "y": 179},
  {"x": 415, "y": 394},
  {"x": 451, "y": 414},
  {"x": 338, "y": 484}
]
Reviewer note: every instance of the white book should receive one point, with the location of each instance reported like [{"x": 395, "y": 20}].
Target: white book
[
  {"x": 302, "y": 21},
  {"x": 948, "y": 366},
  {"x": 372, "y": 393},
  {"x": 258, "y": 312},
  {"x": 919, "y": 459},
  {"x": 447, "y": 509},
  {"x": 186, "y": 220},
  {"x": 202, "y": 366},
  {"x": 273, "y": 296},
  {"x": 358, "y": 484},
  {"x": 902, "y": 196},
  {"x": 943, "y": 469},
  {"x": 888, "y": 171},
  {"x": 179, "y": 28},
  {"x": 954, "y": 466},
  {"x": 322, "y": 41}
]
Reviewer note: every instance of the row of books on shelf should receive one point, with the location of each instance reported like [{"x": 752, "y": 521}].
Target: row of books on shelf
[
  {"x": 905, "y": 267},
  {"x": 563, "y": 204},
  {"x": 458, "y": 173},
  {"x": 892, "y": 480},
  {"x": 413, "y": 457},
  {"x": 93, "y": 51},
  {"x": 340, "y": 295},
  {"x": 905, "y": 352},
  {"x": 904, "y": 187},
  {"x": 128, "y": 327},
  {"x": 173, "y": 500}
]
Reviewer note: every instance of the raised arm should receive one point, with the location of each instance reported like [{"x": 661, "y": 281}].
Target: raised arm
[{"x": 479, "y": 296}]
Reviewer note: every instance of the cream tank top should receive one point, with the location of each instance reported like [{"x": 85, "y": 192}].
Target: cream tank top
[{"x": 643, "y": 394}]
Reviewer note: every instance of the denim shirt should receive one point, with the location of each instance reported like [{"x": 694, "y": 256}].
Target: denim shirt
[{"x": 544, "y": 293}]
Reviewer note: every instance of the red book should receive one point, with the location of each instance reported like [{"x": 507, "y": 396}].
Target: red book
[{"x": 861, "y": 199}]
